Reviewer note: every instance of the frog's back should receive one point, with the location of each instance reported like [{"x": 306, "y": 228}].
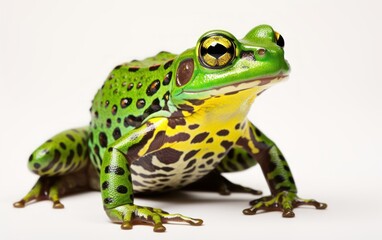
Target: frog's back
[{"x": 132, "y": 93}]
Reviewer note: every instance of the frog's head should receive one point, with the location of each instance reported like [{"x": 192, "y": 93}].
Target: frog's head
[{"x": 222, "y": 65}]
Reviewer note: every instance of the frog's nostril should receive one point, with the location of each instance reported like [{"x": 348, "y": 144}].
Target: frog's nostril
[{"x": 248, "y": 55}]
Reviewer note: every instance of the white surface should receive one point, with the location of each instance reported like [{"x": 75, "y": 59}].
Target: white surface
[{"x": 54, "y": 55}]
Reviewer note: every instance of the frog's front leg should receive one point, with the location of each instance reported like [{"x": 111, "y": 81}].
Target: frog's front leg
[
  {"x": 277, "y": 173},
  {"x": 116, "y": 182}
]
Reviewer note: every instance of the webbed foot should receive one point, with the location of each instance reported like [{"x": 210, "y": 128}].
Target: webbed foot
[
  {"x": 130, "y": 214},
  {"x": 45, "y": 189},
  {"x": 284, "y": 202}
]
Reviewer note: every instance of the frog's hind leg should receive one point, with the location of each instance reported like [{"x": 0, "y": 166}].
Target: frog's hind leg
[
  {"x": 236, "y": 159},
  {"x": 63, "y": 166}
]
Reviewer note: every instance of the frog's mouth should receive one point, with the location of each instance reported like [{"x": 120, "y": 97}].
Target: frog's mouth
[{"x": 259, "y": 83}]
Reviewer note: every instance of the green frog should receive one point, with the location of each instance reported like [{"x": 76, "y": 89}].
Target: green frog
[{"x": 174, "y": 122}]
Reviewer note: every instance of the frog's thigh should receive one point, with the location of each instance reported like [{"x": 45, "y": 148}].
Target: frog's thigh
[
  {"x": 61, "y": 164},
  {"x": 237, "y": 159},
  {"x": 65, "y": 153}
]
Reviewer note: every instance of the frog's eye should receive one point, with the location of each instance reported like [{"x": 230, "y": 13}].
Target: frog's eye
[
  {"x": 216, "y": 51},
  {"x": 279, "y": 40}
]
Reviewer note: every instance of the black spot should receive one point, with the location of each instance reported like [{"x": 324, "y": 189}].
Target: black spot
[
  {"x": 70, "y": 137},
  {"x": 139, "y": 85},
  {"x": 190, "y": 154},
  {"x": 168, "y": 64},
  {"x": 96, "y": 114},
  {"x": 79, "y": 149},
  {"x": 121, "y": 189},
  {"x": 237, "y": 126},
  {"x": 133, "y": 69},
  {"x": 103, "y": 139},
  {"x": 226, "y": 144},
  {"x": 208, "y": 155},
  {"x": 209, "y": 162},
  {"x": 118, "y": 120},
  {"x": 115, "y": 170},
  {"x": 154, "y": 107},
  {"x": 132, "y": 121},
  {"x": 107, "y": 103},
  {"x": 210, "y": 140},
  {"x": 154, "y": 67},
  {"x": 108, "y": 123},
  {"x": 287, "y": 168},
  {"x": 282, "y": 157},
  {"x": 168, "y": 155},
  {"x": 193, "y": 126},
  {"x": 153, "y": 88},
  {"x": 125, "y": 102},
  {"x": 190, "y": 164},
  {"x": 114, "y": 109},
  {"x": 116, "y": 133},
  {"x": 117, "y": 67},
  {"x": 223, "y": 132},
  {"x": 105, "y": 185},
  {"x": 221, "y": 155},
  {"x": 69, "y": 158},
  {"x": 30, "y": 158},
  {"x": 141, "y": 103},
  {"x": 231, "y": 153},
  {"x": 36, "y": 165},
  {"x": 62, "y": 145},
  {"x": 167, "y": 78},
  {"x": 200, "y": 137},
  {"x": 131, "y": 85},
  {"x": 167, "y": 169},
  {"x": 258, "y": 133},
  {"x": 108, "y": 200},
  {"x": 279, "y": 179}
]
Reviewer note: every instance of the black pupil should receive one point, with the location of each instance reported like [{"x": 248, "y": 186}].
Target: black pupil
[{"x": 216, "y": 50}]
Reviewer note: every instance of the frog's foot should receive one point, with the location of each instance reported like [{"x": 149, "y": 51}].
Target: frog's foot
[
  {"x": 130, "y": 214},
  {"x": 284, "y": 202},
  {"x": 45, "y": 188},
  {"x": 216, "y": 182}
]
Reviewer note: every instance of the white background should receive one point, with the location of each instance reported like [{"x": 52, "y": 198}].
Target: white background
[{"x": 327, "y": 118}]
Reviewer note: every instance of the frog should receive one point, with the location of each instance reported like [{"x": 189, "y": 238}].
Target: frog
[{"x": 172, "y": 122}]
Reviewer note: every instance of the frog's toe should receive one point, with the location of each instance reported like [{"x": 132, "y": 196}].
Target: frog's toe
[
  {"x": 19, "y": 204},
  {"x": 311, "y": 202},
  {"x": 284, "y": 202},
  {"x": 130, "y": 214},
  {"x": 42, "y": 190}
]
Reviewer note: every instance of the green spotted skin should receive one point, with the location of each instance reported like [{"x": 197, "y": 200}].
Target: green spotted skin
[
  {"x": 64, "y": 153},
  {"x": 174, "y": 121}
]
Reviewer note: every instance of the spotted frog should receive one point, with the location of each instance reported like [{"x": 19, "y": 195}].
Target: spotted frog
[{"x": 172, "y": 122}]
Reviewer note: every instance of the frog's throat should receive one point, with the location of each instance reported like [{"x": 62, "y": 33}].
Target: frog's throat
[{"x": 258, "y": 84}]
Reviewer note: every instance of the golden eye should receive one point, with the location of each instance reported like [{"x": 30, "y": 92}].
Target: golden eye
[
  {"x": 279, "y": 40},
  {"x": 216, "y": 51}
]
